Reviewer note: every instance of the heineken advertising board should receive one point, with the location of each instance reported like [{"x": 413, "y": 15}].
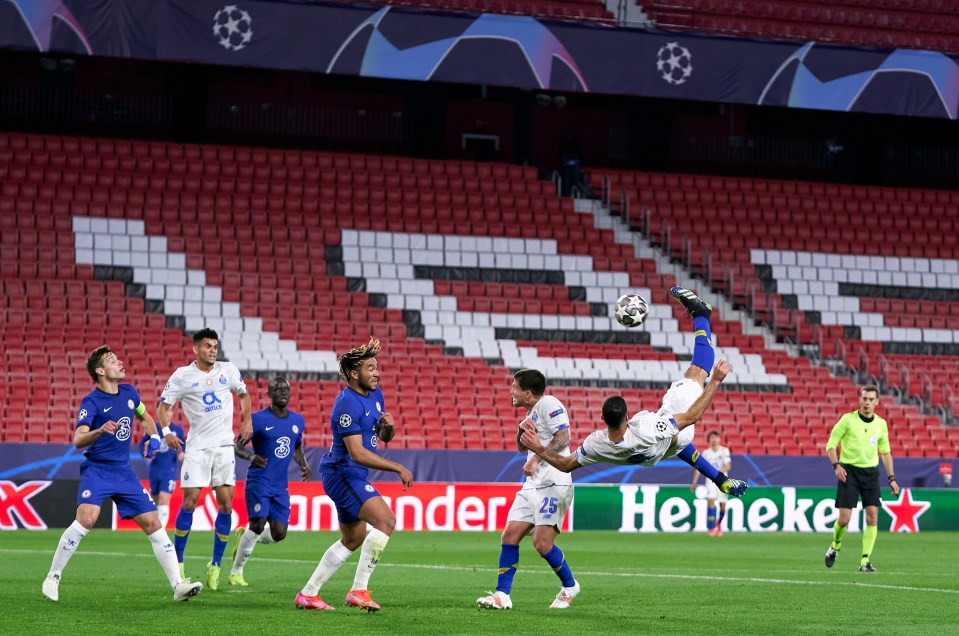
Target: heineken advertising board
[{"x": 649, "y": 508}]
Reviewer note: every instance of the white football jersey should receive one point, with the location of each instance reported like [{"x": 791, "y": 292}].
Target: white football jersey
[
  {"x": 549, "y": 416},
  {"x": 718, "y": 458},
  {"x": 648, "y": 437},
  {"x": 207, "y": 401}
]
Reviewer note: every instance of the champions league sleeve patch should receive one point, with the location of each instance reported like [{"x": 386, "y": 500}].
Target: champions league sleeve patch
[
  {"x": 557, "y": 412},
  {"x": 345, "y": 420}
]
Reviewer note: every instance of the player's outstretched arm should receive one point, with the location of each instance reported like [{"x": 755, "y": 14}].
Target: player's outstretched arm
[
  {"x": 695, "y": 412},
  {"x": 530, "y": 440},
  {"x": 360, "y": 455}
]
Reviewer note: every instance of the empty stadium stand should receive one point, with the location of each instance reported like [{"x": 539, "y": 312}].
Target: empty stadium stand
[
  {"x": 910, "y": 24},
  {"x": 294, "y": 256}
]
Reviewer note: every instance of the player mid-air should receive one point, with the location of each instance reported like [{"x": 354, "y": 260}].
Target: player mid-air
[{"x": 647, "y": 438}]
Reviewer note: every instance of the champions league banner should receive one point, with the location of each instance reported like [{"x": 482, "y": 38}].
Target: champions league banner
[{"x": 523, "y": 52}]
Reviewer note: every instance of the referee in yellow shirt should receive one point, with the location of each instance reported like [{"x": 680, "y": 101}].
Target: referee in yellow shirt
[{"x": 863, "y": 436}]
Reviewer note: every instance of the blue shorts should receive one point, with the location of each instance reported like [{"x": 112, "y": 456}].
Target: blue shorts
[
  {"x": 261, "y": 503},
  {"x": 162, "y": 484},
  {"x": 118, "y": 481},
  {"x": 349, "y": 494}
]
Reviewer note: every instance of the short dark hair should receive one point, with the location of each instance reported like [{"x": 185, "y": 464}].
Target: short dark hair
[
  {"x": 205, "y": 333},
  {"x": 95, "y": 360},
  {"x": 614, "y": 411},
  {"x": 352, "y": 359},
  {"x": 711, "y": 433},
  {"x": 277, "y": 380},
  {"x": 870, "y": 388},
  {"x": 531, "y": 380}
]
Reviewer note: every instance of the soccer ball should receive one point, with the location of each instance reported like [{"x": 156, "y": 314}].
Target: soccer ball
[
  {"x": 232, "y": 27},
  {"x": 631, "y": 310}
]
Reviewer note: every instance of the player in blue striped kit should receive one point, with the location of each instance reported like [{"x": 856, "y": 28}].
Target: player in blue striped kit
[
  {"x": 277, "y": 438},
  {"x": 164, "y": 472},
  {"x": 104, "y": 427}
]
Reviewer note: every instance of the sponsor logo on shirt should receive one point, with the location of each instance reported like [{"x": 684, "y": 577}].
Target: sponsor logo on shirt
[
  {"x": 123, "y": 433},
  {"x": 212, "y": 402}
]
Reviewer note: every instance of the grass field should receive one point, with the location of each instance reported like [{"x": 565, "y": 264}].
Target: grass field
[{"x": 427, "y": 583}]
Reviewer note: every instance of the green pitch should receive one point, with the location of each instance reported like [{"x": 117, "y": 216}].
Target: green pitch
[{"x": 427, "y": 583}]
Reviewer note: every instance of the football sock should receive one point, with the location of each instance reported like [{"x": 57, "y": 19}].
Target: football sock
[
  {"x": 868, "y": 542},
  {"x": 266, "y": 536},
  {"x": 703, "y": 353},
  {"x": 837, "y": 533},
  {"x": 163, "y": 512},
  {"x": 243, "y": 550},
  {"x": 711, "y": 517},
  {"x": 184, "y": 521},
  {"x": 558, "y": 562},
  {"x": 163, "y": 549},
  {"x": 508, "y": 563},
  {"x": 722, "y": 513},
  {"x": 370, "y": 553},
  {"x": 69, "y": 541},
  {"x": 221, "y": 534},
  {"x": 692, "y": 457},
  {"x": 332, "y": 559}
]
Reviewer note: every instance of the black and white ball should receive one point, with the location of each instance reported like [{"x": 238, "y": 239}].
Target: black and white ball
[{"x": 631, "y": 310}]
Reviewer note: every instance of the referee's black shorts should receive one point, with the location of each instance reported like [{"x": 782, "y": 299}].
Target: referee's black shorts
[{"x": 862, "y": 482}]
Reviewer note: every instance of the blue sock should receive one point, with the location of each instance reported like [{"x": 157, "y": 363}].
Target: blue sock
[
  {"x": 703, "y": 353},
  {"x": 558, "y": 562},
  {"x": 722, "y": 513},
  {"x": 692, "y": 457},
  {"x": 508, "y": 562},
  {"x": 710, "y": 517},
  {"x": 221, "y": 534},
  {"x": 184, "y": 521}
]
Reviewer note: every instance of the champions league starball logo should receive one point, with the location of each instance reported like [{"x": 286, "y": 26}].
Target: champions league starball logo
[
  {"x": 232, "y": 27},
  {"x": 674, "y": 63}
]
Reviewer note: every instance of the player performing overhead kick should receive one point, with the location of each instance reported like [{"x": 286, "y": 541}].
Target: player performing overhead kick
[{"x": 647, "y": 438}]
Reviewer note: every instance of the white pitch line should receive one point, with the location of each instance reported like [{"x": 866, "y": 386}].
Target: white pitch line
[{"x": 645, "y": 575}]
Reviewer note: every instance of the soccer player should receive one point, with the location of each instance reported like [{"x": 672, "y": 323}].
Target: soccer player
[
  {"x": 864, "y": 437},
  {"x": 359, "y": 418},
  {"x": 647, "y": 438},
  {"x": 206, "y": 388},
  {"x": 719, "y": 458},
  {"x": 163, "y": 475},
  {"x": 277, "y": 438},
  {"x": 104, "y": 427},
  {"x": 541, "y": 505}
]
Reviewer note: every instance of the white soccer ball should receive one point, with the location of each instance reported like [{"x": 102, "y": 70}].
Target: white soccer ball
[
  {"x": 232, "y": 27},
  {"x": 631, "y": 310}
]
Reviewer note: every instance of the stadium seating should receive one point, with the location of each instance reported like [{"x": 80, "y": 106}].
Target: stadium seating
[
  {"x": 296, "y": 255},
  {"x": 817, "y": 263},
  {"x": 911, "y": 24}
]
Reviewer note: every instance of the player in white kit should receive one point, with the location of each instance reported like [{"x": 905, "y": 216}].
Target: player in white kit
[
  {"x": 541, "y": 505},
  {"x": 205, "y": 387},
  {"x": 647, "y": 437},
  {"x": 719, "y": 458}
]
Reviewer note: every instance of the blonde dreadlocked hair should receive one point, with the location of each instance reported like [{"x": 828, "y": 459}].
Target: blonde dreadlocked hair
[{"x": 351, "y": 360}]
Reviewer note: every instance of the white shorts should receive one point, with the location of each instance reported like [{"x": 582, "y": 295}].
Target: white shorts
[
  {"x": 208, "y": 467},
  {"x": 713, "y": 491},
  {"x": 541, "y": 506},
  {"x": 678, "y": 399}
]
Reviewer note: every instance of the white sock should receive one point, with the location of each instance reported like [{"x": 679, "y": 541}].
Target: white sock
[
  {"x": 266, "y": 536},
  {"x": 69, "y": 541},
  {"x": 166, "y": 555},
  {"x": 163, "y": 511},
  {"x": 333, "y": 558},
  {"x": 373, "y": 548},
  {"x": 243, "y": 550}
]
